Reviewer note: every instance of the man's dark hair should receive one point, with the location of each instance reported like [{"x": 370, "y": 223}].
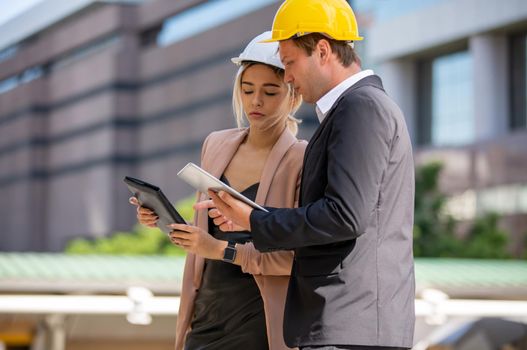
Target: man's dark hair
[{"x": 345, "y": 53}]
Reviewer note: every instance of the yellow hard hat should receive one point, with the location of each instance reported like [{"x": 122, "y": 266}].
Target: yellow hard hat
[{"x": 334, "y": 18}]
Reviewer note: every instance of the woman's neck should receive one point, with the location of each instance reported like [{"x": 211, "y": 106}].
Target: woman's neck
[{"x": 264, "y": 139}]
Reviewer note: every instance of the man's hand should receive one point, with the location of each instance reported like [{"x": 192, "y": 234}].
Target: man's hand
[
  {"x": 217, "y": 217},
  {"x": 232, "y": 210}
]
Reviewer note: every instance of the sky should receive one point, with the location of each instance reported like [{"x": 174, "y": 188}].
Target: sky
[{"x": 11, "y": 8}]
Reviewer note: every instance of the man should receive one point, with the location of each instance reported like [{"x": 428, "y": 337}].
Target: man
[{"x": 352, "y": 285}]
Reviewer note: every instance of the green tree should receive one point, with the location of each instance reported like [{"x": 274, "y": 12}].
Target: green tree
[
  {"x": 434, "y": 231},
  {"x": 141, "y": 240},
  {"x": 485, "y": 239}
]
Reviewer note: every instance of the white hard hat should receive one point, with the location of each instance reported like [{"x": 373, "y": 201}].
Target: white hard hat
[{"x": 260, "y": 52}]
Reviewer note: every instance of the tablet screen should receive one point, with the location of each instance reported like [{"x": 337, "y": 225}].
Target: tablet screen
[
  {"x": 203, "y": 181},
  {"x": 151, "y": 197}
]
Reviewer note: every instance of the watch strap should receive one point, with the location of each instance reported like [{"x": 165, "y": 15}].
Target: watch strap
[{"x": 229, "y": 254}]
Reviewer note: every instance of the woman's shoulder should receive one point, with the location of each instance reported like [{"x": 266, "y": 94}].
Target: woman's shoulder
[
  {"x": 301, "y": 143},
  {"x": 227, "y": 132},
  {"x": 299, "y": 146},
  {"x": 222, "y": 135},
  {"x": 295, "y": 154}
]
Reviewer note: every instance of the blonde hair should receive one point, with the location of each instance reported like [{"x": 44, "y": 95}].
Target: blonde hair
[{"x": 289, "y": 106}]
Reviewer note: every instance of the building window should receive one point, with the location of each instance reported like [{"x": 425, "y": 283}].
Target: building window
[
  {"x": 205, "y": 16},
  {"x": 518, "y": 76},
  {"x": 446, "y": 100},
  {"x": 31, "y": 74},
  {"x": 26, "y": 76},
  {"x": 8, "y": 84},
  {"x": 8, "y": 53}
]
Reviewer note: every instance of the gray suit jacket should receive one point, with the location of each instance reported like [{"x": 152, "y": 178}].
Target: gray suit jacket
[{"x": 353, "y": 276}]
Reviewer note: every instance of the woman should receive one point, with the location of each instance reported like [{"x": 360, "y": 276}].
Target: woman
[{"x": 233, "y": 296}]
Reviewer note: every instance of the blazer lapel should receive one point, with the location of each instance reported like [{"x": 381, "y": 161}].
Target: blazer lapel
[
  {"x": 280, "y": 148},
  {"x": 222, "y": 155},
  {"x": 215, "y": 163}
]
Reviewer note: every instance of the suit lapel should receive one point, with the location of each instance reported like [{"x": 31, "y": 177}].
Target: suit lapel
[{"x": 372, "y": 80}]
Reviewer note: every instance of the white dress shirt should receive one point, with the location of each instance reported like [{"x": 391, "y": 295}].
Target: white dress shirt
[{"x": 327, "y": 101}]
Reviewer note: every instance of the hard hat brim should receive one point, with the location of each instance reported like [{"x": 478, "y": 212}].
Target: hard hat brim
[
  {"x": 358, "y": 38},
  {"x": 239, "y": 61}
]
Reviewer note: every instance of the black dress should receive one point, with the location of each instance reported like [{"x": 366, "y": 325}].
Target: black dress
[{"x": 228, "y": 310}]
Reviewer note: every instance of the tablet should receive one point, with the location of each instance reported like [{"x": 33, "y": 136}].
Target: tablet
[
  {"x": 151, "y": 197},
  {"x": 203, "y": 181}
]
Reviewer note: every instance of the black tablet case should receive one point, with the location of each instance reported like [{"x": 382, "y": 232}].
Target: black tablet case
[{"x": 151, "y": 197}]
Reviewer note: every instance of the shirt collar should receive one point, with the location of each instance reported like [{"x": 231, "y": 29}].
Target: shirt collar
[{"x": 327, "y": 101}]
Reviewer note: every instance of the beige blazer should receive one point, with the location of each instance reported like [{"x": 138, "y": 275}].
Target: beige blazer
[{"x": 279, "y": 187}]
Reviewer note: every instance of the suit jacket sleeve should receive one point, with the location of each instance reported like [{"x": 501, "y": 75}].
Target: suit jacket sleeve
[{"x": 358, "y": 147}]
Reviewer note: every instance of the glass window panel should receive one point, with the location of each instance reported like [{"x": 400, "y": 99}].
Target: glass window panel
[
  {"x": 452, "y": 100},
  {"x": 8, "y": 53},
  {"x": 31, "y": 74},
  {"x": 518, "y": 76},
  {"x": 8, "y": 84}
]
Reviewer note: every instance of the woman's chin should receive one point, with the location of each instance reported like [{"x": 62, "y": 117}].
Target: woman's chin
[{"x": 256, "y": 117}]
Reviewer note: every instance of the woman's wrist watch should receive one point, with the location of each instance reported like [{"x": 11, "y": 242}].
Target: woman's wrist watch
[{"x": 229, "y": 254}]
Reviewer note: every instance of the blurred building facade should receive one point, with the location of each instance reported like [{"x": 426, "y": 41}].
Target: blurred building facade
[
  {"x": 96, "y": 90},
  {"x": 458, "y": 71},
  {"x": 91, "y": 91}
]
